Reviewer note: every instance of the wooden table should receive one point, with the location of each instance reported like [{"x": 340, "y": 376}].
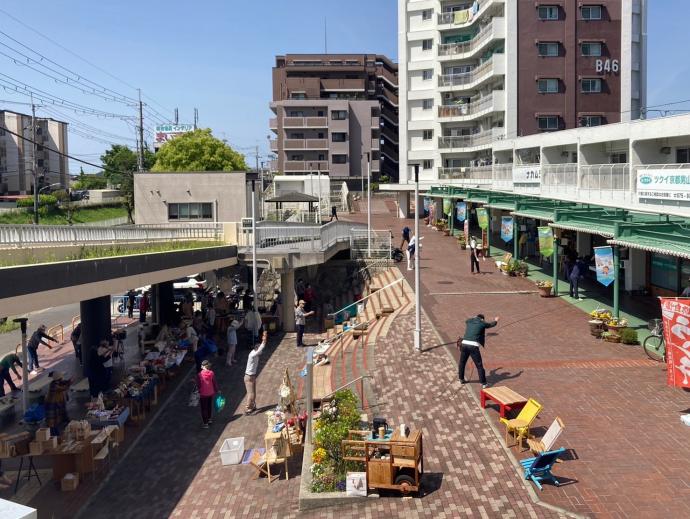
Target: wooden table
[{"x": 506, "y": 398}]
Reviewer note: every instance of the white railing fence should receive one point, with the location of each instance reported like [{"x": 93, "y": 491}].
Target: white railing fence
[{"x": 365, "y": 245}]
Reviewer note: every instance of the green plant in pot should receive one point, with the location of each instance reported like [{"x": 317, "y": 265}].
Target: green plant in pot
[
  {"x": 610, "y": 337},
  {"x": 628, "y": 336},
  {"x": 522, "y": 268},
  {"x": 544, "y": 288}
]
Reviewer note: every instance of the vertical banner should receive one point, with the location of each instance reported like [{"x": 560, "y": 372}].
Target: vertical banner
[
  {"x": 427, "y": 202},
  {"x": 447, "y": 206},
  {"x": 482, "y": 218},
  {"x": 545, "y": 241},
  {"x": 603, "y": 260},
  {"x": 466, "y": 230},
  {"x": 461, "y": 211},
  {"x": 507, "y": 228},
  {"x": 676, "y": 319}
]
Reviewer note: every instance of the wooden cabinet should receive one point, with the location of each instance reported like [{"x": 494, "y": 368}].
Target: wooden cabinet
[{"x": 379, "y": 472}]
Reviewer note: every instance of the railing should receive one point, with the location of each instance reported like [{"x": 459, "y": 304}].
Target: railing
[
  {"x": 466, "y": 78},
  {"x": 564, "y": 175},
  {"x": 359, "y": 379},
  {"x": 610, "y": 177},
  {"x": 273, "y": 123},
  {"x": 274, "y": 145},
  {"x": 474, "y": 106},
  {"x": 29, "y": 235},
  {"x": 375, "y": 144},
  {"x": 308, "y": 165},
  {"x": 301, "y": 144},
  {"x": 482, "y": 174},
  {"x": 300, "y": 122},
  {"x": 466, "y": 141},
  {"x": 291, "y": 215},
  {"x": 299, "y": 237},
  {"x": 451, "y": 49},
  {"x": 446, "y": 18},
  {"x": 391, "y": 97},
  {"x": 375, "y": 122},
  {"x": 381, "y": 243}
]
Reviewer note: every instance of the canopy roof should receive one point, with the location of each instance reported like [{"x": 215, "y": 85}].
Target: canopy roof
[
  {"x": 601, "y": 220},
  {"x": 672, "y": 238},
  {"x": 293, "y": 196},
  {"x": 540, "y": 209}
]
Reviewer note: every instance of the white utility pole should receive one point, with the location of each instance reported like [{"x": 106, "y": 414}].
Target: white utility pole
[
  {"x": 318, "y": 178},
  {"x": 34, "y": 162},
  {"x": 369, "y": 204},
  {"x": 417, "y": 288},
  {"x": 254, "y": 257},
  {"x": 25, "y": 364}
]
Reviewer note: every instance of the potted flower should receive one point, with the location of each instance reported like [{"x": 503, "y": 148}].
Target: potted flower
[
  {"x": 512, "y": 267},
  {"x": 616, "y": 325},
  {"x": 596, "y": 327},
  {"x": 544, "y": 288},
  {"x": 522, "y": 268},
  {"x": 610, "y": 337},
  {"x": 462, "y": 242}
]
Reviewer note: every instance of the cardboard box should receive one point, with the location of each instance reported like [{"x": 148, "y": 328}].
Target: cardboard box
[
  {"x": 43, "y": 434},
  {"x": 35, "y": 448},
  {"x": 52, "y": 443},
  {"x": 69, "y": 482}
]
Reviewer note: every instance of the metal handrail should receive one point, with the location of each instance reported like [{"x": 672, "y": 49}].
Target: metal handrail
[
  {"x": 367, "y": 297},
  {"x": 358, "y": 379}
]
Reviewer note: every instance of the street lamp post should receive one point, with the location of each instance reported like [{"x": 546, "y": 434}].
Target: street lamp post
[
  {"x": 417, "y": 302},
  {"x": 254, "y": 258},
  {"x": 25, "y": 363}
]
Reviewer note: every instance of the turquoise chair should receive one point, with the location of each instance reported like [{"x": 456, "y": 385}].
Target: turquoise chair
[{"x": 539, "y": 468}]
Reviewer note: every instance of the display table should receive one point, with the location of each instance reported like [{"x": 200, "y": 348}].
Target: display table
[
  {"x": 118, "y": 420},
  {"x": 506, "y": 398}
]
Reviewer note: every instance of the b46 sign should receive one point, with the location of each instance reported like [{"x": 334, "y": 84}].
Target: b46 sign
[{"x": 607, "y": 66}]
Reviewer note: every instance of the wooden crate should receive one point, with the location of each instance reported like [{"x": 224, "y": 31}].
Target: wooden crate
[{"x": 379, "y": 472}]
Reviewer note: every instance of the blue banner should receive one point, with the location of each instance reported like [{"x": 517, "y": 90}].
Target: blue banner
[
  {"x": 603, "y": 259},
  {"x": 461, "y": 211},
  {"x": 427, "y": 202},
  {"x": 507, "y": 228}
]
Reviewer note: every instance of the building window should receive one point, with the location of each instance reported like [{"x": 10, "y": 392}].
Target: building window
[
  {"x": 339, "y": 159},
  {"x": 591, "y": 120},
  {"x": 427, "y": 75},
  {"x": 427, "y": 104},
  {"x": 549, "y": 49},
  {"x": 427, "y": 164},
  {"x": 193, "y": 211},
  {"x": 427, "y": 135},
  {"x": 427, "y": 44},
  {"x": 294, "y": 113},
  {"x": 427, "y": 14},
  {"x": 298, "y": 95},
  {"x": 619, "y": 158},
  {"x": 548, "y": 12},
  {"x": 339, "y": 137},
  {"x": 592, "y": 48},
  {"x": 548, "y": 86},
  {"x": 339, "y": 115},
  {"x": 591, "y": 86},
  {"x": 682, "y": 155},
  {"x": 548, "y": 122},
  {"x": 591, "y": 12}
]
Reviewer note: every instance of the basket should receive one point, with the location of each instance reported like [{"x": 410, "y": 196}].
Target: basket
[{"x": 231, "y": 451}]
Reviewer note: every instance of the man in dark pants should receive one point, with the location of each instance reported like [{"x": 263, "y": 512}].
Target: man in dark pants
[
  {"x": 131, "y": 297},
  {"x": 474, "y": 255},
  {"x": 334, "y": 213},
  {"x": 9, "y": 362},
  {"x": 474, "y": 338},
  {"x": 576, "y": 273}
]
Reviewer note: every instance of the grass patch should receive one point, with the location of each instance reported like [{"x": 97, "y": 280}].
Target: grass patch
[
  {"x": 8, "y": 326},
  {"x": 58, "y": 216},
  {"x": 109, "y": 251}
]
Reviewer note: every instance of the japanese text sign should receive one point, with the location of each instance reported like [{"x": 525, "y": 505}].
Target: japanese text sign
[{"x": 676, "y": 319}]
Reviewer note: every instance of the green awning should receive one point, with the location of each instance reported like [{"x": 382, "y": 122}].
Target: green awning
[
  {"x": 602, "y": 221},
  {"x": 536, "y": 214},
  {"x": 502, "y": 206},
  {"x": 601, "y": 228},
  {"x": 671, "y": 238},
  {"x": 540, "y": 209}
]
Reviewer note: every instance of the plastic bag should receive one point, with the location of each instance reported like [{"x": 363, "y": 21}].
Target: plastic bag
[
  {"x": 34, "y": 414},
  {"x": 212, "y": 347},
  {"x": 219, "y": 402},
  {"x": 194, "y": 398}
]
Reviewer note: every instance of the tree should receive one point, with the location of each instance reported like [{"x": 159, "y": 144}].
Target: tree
[
  {"x": 90, "y": 181},
  {"x": 198, "y": 151},
  {"x": 120, "y": 163}
]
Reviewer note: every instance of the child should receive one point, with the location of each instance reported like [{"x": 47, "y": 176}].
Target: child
[{"x": 208, "y": 387}]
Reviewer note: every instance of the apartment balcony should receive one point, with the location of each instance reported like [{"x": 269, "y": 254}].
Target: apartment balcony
[
  {"x": 493, "y": 66},
  {"x": 375, "y": 144},
  {"x": 375, "y": 122},
  {"x": 458, "y": 143},
  {"x": 469, "y": 175},
  {"x": 387, "y": 95},
  {"x": 305, "y": 122},
  {"x": 495, "y": 102},
  {"x": 274, "y": 145},
  {"x": 300, "y": 166},
  {"x": 375, "y": 166},
  {"x": 465, "y": 49},
  {"x": 305, "y": 144},
  {"x": 273, "y": 123},
  {"x": 451, "y": 19},
  {"x": 389, "y": 114},
  {"x": 386, "y": 74},
  {"x": 343, "y": 85}
]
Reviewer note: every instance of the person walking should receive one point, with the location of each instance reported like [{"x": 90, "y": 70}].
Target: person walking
[
  {"x": 143, "y": 307},
  {"x": 334, "y": 213},
  {"x": 97, "y": 372},
  {"x": 301, "y": 320},
  {"x": 232, "y": 341},
  {"x": 75, "y": 337},
  {"x": 131, "y": 297},
  {"x": 410, "y": 252},
  {"x": 9, "y": 362},
  {"x": 405, "y": 236},
  {"x": 469, "y": 344},
  {"x": 208, "y": 387},
  {"x": 250, "y": 373},
  {"x": 474, "y": 255},
  {"x": 32, "y": 347},
  {"x": 576, "y": 273},
  {"x": 56, "y": 403}
]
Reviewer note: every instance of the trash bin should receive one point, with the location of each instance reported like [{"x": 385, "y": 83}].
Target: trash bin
[{"x": 231, "y": 451}]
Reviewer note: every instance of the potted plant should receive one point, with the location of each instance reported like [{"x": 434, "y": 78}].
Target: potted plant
[
  {"x": 610, "y": 337},
  {"x": 616, "y": 325},
  {"x": 596, "y": 327},
  {"x": 544, "y": 288},
  {"x": 522, "y": 268},
  {"x": 462, "y": 242},
  {"x": 512, "y": 268},
  {"x": 628, "y": 336}
]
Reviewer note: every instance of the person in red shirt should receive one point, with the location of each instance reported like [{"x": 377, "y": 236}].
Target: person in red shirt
[
  {"x": 143, "y": 307},
  {"x": 208, "y": 387},
  {"x": 309, "y": 297}
]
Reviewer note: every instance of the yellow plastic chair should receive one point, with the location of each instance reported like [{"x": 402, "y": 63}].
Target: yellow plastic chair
[{"x": 519, "y": 427}]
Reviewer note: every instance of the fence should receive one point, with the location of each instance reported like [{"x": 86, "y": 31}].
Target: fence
[
  {"x": 298, "y": 237},
  {"x": 362, "y": 246}
]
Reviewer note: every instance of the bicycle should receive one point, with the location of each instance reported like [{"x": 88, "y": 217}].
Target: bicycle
[{"x": 654, "y": 345}]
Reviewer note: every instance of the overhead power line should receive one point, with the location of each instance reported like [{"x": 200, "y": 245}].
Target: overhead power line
[{"x": 84, "y": 126}]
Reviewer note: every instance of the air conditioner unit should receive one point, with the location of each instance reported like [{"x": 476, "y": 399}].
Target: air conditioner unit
[{"x": 666, "y": 150}]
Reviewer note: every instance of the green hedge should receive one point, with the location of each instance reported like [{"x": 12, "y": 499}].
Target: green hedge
[{"x": 43, "y": 200}]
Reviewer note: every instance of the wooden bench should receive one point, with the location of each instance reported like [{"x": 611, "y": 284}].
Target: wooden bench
[
  {"x": 322, "y": 382},
  {"x": 506, "y": 398}
]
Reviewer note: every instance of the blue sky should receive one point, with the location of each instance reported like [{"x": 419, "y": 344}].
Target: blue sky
[{"x": 217, "y": 55}]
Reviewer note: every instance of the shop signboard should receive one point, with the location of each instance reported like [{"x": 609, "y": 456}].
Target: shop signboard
[
  {"x": 506, "y": 228},
  {"x": 545, "y": 241},
  {"x": 603, "y": 261},
  {"x": 461, "y": 211},
  {"x": 483, "y": 218},
  {"x": 663, "y": 184},
  {"x": 165, "y": 132},
  {"x": 676, "y": 318},
  {"x": 527, "y": 174}
]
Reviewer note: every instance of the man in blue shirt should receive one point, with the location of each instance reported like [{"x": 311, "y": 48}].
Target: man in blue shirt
[{"x": 474, "y": 338}]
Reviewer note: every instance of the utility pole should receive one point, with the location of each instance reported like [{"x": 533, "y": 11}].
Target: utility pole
[
  {"x": 177, "y": 116},
  {"x": 261, "y": 179},
  {"x": 34, "y": 163},
  {"x": 196, "y": 117},
  {"x": 140, "y": 159}
]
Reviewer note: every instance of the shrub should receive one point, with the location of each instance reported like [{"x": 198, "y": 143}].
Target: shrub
[
  {"x": 628, "y": 336},
  {"x": 43, "y": 200}
]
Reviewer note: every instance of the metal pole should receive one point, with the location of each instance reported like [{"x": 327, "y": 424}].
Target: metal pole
[
  {"x": 34, "y": 163},
  {"x": 516, "y": 238},
  {"x": 369, "y": 205},
  {"x": 616, "y": 282},
  {"x": 318, "y": 178},
  {"x": 25, "y": 363},
  {"x": 254, "y": 257},
  {"x": 141, "y": 134},
  {"x": 417, "y": 288},
  {"x": 556, "y": 243},
  {"x": 309, "y": 393}
]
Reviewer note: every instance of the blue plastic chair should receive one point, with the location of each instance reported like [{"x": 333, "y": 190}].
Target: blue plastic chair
[{"x": 539, "y": 468}]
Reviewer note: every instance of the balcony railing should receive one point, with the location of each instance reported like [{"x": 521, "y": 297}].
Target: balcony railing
[
  {"x": 466, "y": 141},
  {"x": 274, "y": 145},
  {"x": 273, "y": 123},
  {"x": 375, "y": 122},
  {"x": 390, "y": 96},
  {"x": 306, "y": 165},
  {"x": 563, "y": 175},
  {"x": 467, "y": 78},
  {"x": 305, "y": 144},
  {"x": 449, "y": 18},
  {"x": 451, "y": 49},
  {"x": 302, "y": 122},
  {"x": 375, "y": 144},
  {"x": 613, "y": 177},
  {"x": 478, "y": 174},
  {"x": 476, "y": 105}
]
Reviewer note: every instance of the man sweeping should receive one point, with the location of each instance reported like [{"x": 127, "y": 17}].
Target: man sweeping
[{"x": 474, "y": 338}]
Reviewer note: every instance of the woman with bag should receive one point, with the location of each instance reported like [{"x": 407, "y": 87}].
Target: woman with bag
[{"x": 208, "y": 387}]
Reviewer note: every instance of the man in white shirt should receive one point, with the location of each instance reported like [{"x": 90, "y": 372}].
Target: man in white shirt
[
  {"x": 301, "y": 321},
  {"x": 250, "y": 373},
  {"x": 474, "y": 255}
]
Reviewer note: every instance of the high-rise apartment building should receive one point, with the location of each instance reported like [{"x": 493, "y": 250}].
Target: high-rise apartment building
[
  {"x": 474, "y": 72},
  {"x": 331, "y": 111},
  {"x": 16, "y": 154}
]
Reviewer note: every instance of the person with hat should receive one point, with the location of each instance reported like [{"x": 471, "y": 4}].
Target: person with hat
[
  {"x": 232, "y": 341},
  {"x": 32, "y": 347},
  {"x": 8, "y": 362},
  {"x": 56, "y": 402},
  {"x": 686, "y": 290},
  {"x": 250, "y": 372},
  {"x": 301, "y": 320},
  {"x": 469, "y": 344},
  {"x": 208, "y": 387}
]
